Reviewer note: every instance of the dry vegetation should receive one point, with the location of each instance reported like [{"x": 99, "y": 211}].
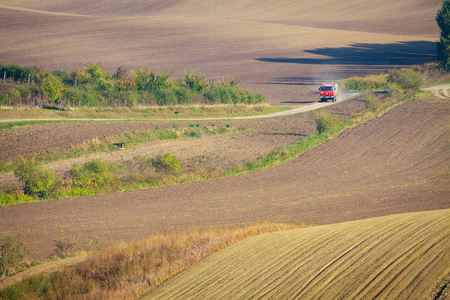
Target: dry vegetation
[
  {"x": 125, "y": 271},
  {"x": 400, "y": 256},
  {"x": 396, "y": 163}
]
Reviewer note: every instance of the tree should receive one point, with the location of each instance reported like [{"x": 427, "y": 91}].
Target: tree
[
  {"x": 53, "y": 87},
  {"x": 36, "y": 181},
  {"x": 443, "y": 47},
  {"x": 95, "y": 70},
  {"x": 12, "y": 253},
  {"x": 14, "y": 94}
]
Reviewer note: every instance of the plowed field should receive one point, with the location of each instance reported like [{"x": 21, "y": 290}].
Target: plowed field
[
  {"x": 260, "y": 136},
  {"x": 281, "y": 49},
  {"x": 396, "y": 163},
  {"x": 394, "y": 257}
]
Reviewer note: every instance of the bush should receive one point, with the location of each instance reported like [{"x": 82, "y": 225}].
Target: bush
[
  {"x": 406, "y": 78},
  {"x": 18, "y": 72},
  {"x": 363, "y": 84},
  {"x": 371, "y": 102},
  {"x": 395, "y": 90},
  {"x": 165, "y": 96},
  {"x": 36, "y": 181},
  {"x": 166, "y": 162},
  {"x": 12, "y": 254},
  {"x": 184, "y": 95},
  {"x": 94, "y": 173},
  {"x": 196, "y": 81},
  {"x": 64, "y": 246},
  {"x": 326, "y": 122}
]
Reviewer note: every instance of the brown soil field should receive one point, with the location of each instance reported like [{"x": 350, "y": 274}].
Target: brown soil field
[
  {"x": 395, "y": 163},
  {"x": 281, "y": 49},
  {"x": 260, "y": 136}
]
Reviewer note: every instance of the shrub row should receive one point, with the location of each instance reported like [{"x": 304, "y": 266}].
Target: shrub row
[
  {"x": 405, "y": 78},
  {"x": 92, "y": 86},
  {"x": 100, "y": 176}
]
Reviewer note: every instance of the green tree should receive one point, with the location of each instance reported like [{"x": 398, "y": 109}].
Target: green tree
[
  {"x": 13, "y": 94},
  {"x": 95, "y": 70},
  {"x": 53, "y": 87},
  {"x": 36, "y": 181},
  {"x": 443, "y": 47},
  {"x": 325, "y": 121},
  {"x": 196, "y": 81},
  {"x": 406, "y": 78}
]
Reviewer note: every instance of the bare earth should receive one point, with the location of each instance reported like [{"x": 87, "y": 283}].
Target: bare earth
[
  {"x": 281, "y": 49},
  {"x": 393, "y": 164},
  {"x": 260, "y": 136}
]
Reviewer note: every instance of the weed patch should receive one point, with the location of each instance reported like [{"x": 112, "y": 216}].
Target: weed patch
[
  {"x": 135, "y": 268},
  {"x": 12, "y": 254}
]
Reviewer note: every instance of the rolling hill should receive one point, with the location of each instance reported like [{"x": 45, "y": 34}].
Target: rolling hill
[
  {"x": 281, "y": 49},
  {"x": 399, "y": 256}
]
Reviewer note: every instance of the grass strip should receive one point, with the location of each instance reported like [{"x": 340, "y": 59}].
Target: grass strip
[
  {"x": 129, "y": 139},
  {"x": 278, "y": 156},
  {"x": 144, "y": 113},
  {"x": 127, "y": 270},
  {"x": 10, "y": 125}
]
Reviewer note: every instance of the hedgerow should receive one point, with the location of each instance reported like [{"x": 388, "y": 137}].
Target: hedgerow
[{"x": 91, "y": 86}]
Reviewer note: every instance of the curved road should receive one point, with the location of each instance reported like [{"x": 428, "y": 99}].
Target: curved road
[{"x": 343, "y": 97}]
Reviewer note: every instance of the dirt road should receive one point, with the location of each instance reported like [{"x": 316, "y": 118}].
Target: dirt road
[{"x": 393, "y": 164}]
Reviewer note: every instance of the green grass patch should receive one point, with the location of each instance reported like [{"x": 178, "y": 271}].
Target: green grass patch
[
  {"x": 10, "y": 125},
  {"x": 144, "y": 113},
  {"x": 129, "y": 139}
]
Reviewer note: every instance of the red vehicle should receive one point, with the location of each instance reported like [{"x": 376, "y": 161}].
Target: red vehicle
[{"x": 328, "y": 92}]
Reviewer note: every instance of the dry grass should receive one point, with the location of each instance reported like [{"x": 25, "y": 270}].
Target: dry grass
[
  {"x": 127, "y": 270},
  {"x": 394, "y": 257}
]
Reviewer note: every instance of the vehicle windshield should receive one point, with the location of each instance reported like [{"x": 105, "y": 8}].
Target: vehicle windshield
[{"x": 326, "y": 88}]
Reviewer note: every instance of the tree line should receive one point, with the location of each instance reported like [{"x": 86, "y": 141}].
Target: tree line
[{"x": 92, "y": 86}]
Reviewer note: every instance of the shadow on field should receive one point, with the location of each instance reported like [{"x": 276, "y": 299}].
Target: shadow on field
[
  {"x": 371, "y": 56},
  {"x": 285, "y": 134},
  {"x": 358, "y": 59},
  {"x": 300, "y": 80}
]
